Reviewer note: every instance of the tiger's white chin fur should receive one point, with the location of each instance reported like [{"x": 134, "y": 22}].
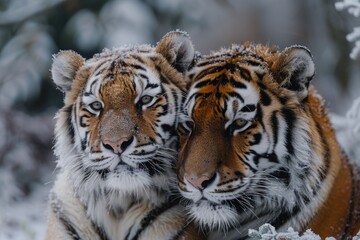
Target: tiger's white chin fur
[
  {"x": 216, "y": 217},
  {"x": 128, "y": 180}
]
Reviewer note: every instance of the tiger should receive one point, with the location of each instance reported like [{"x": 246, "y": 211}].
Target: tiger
[
  {"x": 257, "y": 146},
  {"x": 116, "y": 143}
]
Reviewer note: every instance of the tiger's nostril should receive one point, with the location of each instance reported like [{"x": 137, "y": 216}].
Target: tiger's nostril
[
  {"x": 107, "y": 146},
  {"x": 206, "y": 183},
  {"x": 125, "y": 144},
  {"x": 118, "y": 146},
  {"x": 200, "y": 182}
]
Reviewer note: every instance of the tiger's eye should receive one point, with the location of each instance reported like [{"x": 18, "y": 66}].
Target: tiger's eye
[
  {"x": 146, "y": 99},
  {"x": 96, "y": 106},
  {"x": 240, "y": 123}
]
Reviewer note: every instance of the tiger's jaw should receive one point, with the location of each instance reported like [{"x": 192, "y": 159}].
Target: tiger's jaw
[
  {"x": 134, "y": 170},
  {"x": 212, "y": 209}
]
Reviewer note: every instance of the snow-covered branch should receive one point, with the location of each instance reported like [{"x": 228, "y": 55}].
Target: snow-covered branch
[
  {"x": 348, "y": 130},
  {"x": 353, "y": 8}
]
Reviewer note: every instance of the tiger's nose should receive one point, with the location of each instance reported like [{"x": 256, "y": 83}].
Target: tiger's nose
[
  {"x": 200, "y": 182},
  {"x": 118, "y": 146}
]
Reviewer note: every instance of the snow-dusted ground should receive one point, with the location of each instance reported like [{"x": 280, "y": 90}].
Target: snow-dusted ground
[{"x": 25, "y": 218}]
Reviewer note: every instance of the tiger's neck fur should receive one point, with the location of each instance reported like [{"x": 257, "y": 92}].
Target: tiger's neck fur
[
  {"x": 340, "y": 187},
  {"x": 342, "y": 202}
]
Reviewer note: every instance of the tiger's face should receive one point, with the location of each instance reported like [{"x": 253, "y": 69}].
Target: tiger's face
[
  {"x": 126, "y": 119},
  {"x": 117, "y": 128},
  {"x": 237, "y": 144}
]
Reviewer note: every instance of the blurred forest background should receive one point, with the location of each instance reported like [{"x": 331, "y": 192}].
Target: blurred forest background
[{"x": 31, "y": 31}]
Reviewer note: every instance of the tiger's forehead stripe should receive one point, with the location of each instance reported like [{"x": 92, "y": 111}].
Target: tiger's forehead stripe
[
  {"x": 115, "y": 66},
  {"x": 229, "y": 81}
]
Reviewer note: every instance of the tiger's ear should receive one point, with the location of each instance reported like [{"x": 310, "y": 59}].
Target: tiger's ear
[
  {"x": 177, "y": 49},
  {"x": 64, "y": 68},
  {"x": 294, "y": 70}
]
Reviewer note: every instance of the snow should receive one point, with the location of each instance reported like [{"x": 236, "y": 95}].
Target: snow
[
  {"x": 268, "y": 232},
  {"x": 25, "y": 167},
  {"x": 20, "y": 220}
]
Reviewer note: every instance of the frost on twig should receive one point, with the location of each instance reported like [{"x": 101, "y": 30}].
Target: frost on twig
[
  {"x": 353, "y": 8},
  {"x": 348, "y": 130},
  {"x": 268, "y": 232}
]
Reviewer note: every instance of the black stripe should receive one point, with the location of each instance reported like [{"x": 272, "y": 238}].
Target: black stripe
[
  {"x": 246, "y": 163},
  {"x": 101, "y": 232},
  {"x": 282, "y": 174},
  {"x": 257, "y": 138},
  {"x": 210, "y": 62},
  {"x": 261, "y": 85},
  {"x": 175, "y": 94},
  {"x": 239, "y": 85},
  {"x": 349, "y": 221},
  {"x": 83, "y": 121},
  {"x": 326, "y": 155},
  {"x": 56, "y": 207},
  {"x": 151, "y": 85},
  {"x": 70, "y": 126},
  {"x": 163, "y": 79},
  {"x": 245, "y": 74},
  {"x": 284, "y": 217},
  {"x": 143, "y": 76},
  {"x": 290, "y": 118},
  {"x": 69, "y": 228},
  {"x": 264, "y": 98},
  {"x": 137, "y": 67},
  {"x": 128, "y": 233},
  {"x": 151, "y": 216},
  {"x": 251, "y": 62},
  {"x": 84, "y": 141},
  {"x": 92, "y": 84},
  {"x": 138, "y": 59},
  {"x": 275, "y": 128},
  {"x": 236, "y": 95},
  {"x": 204, "y": 83},
  {"x": 248, "y": 108},
  {"x": 260, "y": 75},
  {"x": 207, "y": 71},
  {"x": 124, "y": 64}
]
